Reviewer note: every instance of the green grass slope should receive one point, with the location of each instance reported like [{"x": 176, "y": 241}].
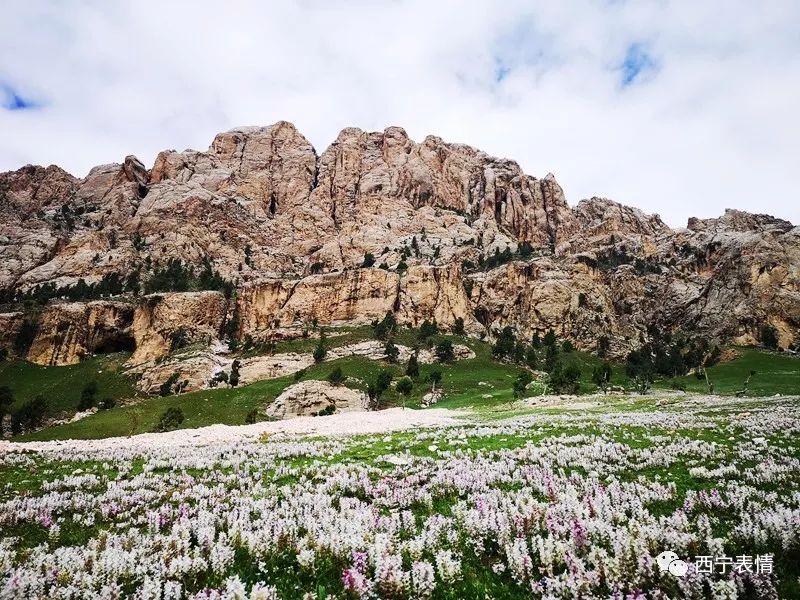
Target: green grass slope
[{"x": 61, "y": 386}]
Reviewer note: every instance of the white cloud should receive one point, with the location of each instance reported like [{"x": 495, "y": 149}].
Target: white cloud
[{"x": 712, "y": 123}]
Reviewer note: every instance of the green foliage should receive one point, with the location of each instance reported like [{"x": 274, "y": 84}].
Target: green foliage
[
  {"x": 567, "y": 347},
  {"x": 531, "y": 359},
  {"x": 384, "y": 328},
  {"x": 427, "y": 329},
  {"x": 62, "y": 386},
  {"x": 444, "y": 351},
  {"x": 521, "y": 384},
  {"x": 504, "y": 346},
  {"x": 319, "y": 353},
  {"x": 404, "y": 385},
  {"x": 392, "y": 351},
  {"x": 24, "y": 337},
  {"x": 177, "y": 277},
  {"x": 298, "y": 375},
  {"x": 88, "y": 396},
  {"x": 458, "y": 326},
  {"x": 435, "y": 376},
  {"x": 412, "y": 369},
  {"x": 565, "y": 378},
  {"x": 233, "y": 379},
  {"x": 601, "y": 376},
  {"x": 170, "y": 419},
  {"x": 336, "y": 377},
  {"x": 29, "y": 415},
  {"x": 603, "y": 346},
  {"x": 3, "y": 354},
  {"x": 6, "y": 400},
  {"x": 550, "y": 339},
  {"x": 165, "y": 389},
  {"x": 252, "y": 417},
  {"x": 369, "y": 260},
  {"x": 107, "y": 403}
]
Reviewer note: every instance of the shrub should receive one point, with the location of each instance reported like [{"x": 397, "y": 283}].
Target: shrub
[
  {"x": 299, "y": 374},
  {"x": 428, "y": 329},
  {"x": 336, "y": 377},
  {"x": 3, "y": 354},
  {"x": 170, "y": 419},
  {"x": 6, "y": 400},
  {"x": 385, "y": 327},
  {"x": 521, "y": 384},
  {"x": 233, "y": 379},
  {"x": 444, "y": 351},
  {"x": 404, "y": 385},
  {"x": 565, "y": 378},
  {"x": 412, "y": 369},
  {"x": 88, "y": 396},
  {"x": 251, "y": 417},
  {"x": 29, "y": 416},
  {"x": 567, "y": 347},
  {"x": 601, "y": 376},
  {"x": 166, "y": 388},
  {"x": 319, "y": 353},
  {"x": 458, "y": 326},
  {"x": 392, "y": 351},
  {"x": 107, "y": 403},
  {"x": 506, "y": 341},
  {"x": 369, "y": 260}
]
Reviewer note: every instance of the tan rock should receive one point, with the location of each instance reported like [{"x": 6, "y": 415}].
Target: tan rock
[{"x": 307, "y": 397}]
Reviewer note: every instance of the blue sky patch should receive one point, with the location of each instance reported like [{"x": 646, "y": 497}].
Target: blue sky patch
[
  {"x": 637, "y": 62},
  {"x": 13, "y": 100}
]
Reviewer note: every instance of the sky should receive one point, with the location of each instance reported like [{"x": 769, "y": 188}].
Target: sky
[{"x": 680, "y": 108}]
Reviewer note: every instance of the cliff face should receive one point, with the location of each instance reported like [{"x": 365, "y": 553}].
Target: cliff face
[{"x": 445, "y": 232}]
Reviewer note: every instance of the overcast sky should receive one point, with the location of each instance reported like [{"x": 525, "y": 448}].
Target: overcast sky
[{"x": 679, "y": 108}]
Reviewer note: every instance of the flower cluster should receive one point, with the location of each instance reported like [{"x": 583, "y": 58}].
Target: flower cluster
[{"x": 547, "y": 506}]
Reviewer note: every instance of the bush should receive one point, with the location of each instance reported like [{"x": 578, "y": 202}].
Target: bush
[
  {"x": 565, "y": 378},
  {"x": 384, "y": 328},
  {"x": 567, "y": 347},
  {"x": 165, "y": 389},
  {"x": 336, "y": 377},
  {"x": 170, "y": 419},
  {"x": 601, "y": 376},
  {"x": 505, "y": 344},
  {"x": 521, "y": 384},
  {"x": 444, "y": 351},
  {"x": 3, "y": 354},
  {"x": 428, "y": 329},
  {"x": 29, "y": 416},
  {"x": 299, "y": 374},
  {"x": 458, "y": 326},
  {"x": 369, "y": 260},
  {"x": 6, "y": 400},
  {"x": 107, "y": 403},
  {"x": 252, "y": 417},
  {"x": 404, "y": 386},
  {"x": 88, "y": 396},
  {"x": 233, "y": 379},
  {"x": 412, "y": 369},
  {"x": 392, "y": 351}
]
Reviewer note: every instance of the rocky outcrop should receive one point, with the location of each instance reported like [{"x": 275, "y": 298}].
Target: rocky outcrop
[
  {"x": 311, "y": 397},
  {"x": 66, "y": 332},
  {"x": 163, "y": 323},
  {"x": 377, "y": 223}
]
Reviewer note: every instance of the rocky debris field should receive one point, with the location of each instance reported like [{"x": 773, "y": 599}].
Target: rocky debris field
[{"x": 532, "y": 503}]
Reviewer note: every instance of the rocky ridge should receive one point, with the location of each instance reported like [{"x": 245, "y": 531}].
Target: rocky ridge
[{"x": 377, "y": 223}]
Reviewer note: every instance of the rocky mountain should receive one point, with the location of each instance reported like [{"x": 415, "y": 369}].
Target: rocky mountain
[{"x": 259, "y": 236}]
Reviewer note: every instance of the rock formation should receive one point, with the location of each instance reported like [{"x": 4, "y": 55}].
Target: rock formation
[
  {"x": 377, "y": 223},
  {"x": 308, "y": 398}
]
